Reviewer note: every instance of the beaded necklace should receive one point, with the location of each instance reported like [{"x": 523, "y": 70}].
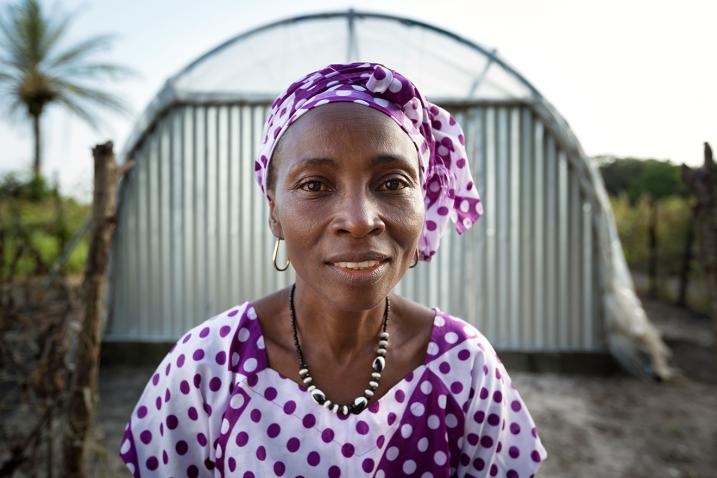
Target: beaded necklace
[{"x": 378, "y": 365}]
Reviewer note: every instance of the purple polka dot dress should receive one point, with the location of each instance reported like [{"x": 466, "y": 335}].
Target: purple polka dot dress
[{"x": 214, "y": 408}]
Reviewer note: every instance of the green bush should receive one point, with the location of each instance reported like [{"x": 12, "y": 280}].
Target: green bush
[
  {"x": 635, "y": 187},
  {"x": 26, "y": 187},
  {"x": 672, "y": 229},
  {"x": 38, "y": 219},
  {"x": 673, "y": 220}
]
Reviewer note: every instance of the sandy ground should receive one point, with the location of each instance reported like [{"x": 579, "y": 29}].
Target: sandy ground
[{"x": 591, "y": 426}]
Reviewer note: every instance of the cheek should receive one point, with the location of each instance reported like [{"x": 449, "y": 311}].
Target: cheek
[
  {"x": 409, "y": 217},
  {"x": 300, "y": 220}
]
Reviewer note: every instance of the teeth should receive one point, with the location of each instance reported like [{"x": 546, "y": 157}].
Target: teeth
[{"x": 358, "y": 265}]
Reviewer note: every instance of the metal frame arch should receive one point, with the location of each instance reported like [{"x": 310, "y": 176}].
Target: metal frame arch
[{"x": 168, "y": 93}]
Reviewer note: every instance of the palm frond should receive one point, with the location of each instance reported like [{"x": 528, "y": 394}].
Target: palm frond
[
  {"x": 95, "y": 96},
  {"x": 58, "y": 24},
  {"x": 16, "y": 115},
  {"x": 12, "y": 39},
  {"x": 80, "y": 50},
  {"x": 6, "y": 76},
  {"x": 14, "y": 109},
  {"x": 8, "y": 89},
  {"x": 28, "y": 26},
  {"x": 82, "y": 111},
  {"x": 93, "y": 70}
]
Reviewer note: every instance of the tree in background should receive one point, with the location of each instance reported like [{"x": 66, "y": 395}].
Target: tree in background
[
  {"x": 619, "y": 173},
  {"x": 36, "y": 71},
  {"x": 656, "y": 181},
  {"x": 649, "y": 179}
]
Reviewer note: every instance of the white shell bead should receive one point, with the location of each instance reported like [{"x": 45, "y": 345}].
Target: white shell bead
[
  {"x": 318, "y": 395},
  {"x": 375, "y": 375},
  {"x": 382, "y": 344},
  {"x": 373, "y": 384},
  {"x": 311, "y": 387},
  {"x": 381, "y": 352},
  {"x": 327, "y": 403},
  {"x": 384, "y": 335},
  {"x": 303, "y": 372},
  {"x": 378, "y": 364},
  {"x": 368, "y": 393},
  {"x": 360, "y": 401},
  {"x": 307, "y": 380}
]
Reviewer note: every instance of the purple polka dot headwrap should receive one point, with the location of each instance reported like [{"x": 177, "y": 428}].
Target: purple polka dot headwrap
[{"x": 448, "y": 188}]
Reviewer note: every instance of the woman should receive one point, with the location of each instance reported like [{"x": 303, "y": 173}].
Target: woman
[{"x": 337, "y": 375}]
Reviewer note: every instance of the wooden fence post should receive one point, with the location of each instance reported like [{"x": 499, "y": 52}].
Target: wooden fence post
[
  {"x": 83, "y": 395},
  {"x": 703, "y": 183}
]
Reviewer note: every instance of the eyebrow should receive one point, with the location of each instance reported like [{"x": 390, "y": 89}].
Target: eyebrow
[
  {"x": 388, "y": 159},
  {"x": 381, "y": 159}
]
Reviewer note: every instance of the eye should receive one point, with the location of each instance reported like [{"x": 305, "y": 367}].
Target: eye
[
  {"x": 395, "y": 184},
  {"x": 311, "y": 186}
]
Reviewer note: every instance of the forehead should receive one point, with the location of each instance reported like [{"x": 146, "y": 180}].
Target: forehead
[{"x": 342, "y": 129}]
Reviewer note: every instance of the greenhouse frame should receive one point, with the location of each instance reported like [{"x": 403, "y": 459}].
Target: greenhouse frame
[{"x": 542, "y": 271}]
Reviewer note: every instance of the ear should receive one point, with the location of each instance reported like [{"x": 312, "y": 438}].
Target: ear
[{"x": 274, "y": 223}]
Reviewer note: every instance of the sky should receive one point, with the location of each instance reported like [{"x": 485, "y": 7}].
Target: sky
[{"x": 632, "y": 78}]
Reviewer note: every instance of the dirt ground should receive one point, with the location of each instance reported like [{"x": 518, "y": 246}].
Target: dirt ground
[
  {"x": 622, "y": 427},
  {"x": 591, "y": 426}
]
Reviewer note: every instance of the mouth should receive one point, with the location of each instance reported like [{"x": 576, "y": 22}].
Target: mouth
[
  {"x": 357, "y": 265},
  {"x": 364, "y": 272}
]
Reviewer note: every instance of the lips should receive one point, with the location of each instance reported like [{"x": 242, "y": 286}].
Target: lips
[
  {"x": 366, "y": 268},
  {"x": 358, "y": 258},
  {"x": 358, "y": 265}
]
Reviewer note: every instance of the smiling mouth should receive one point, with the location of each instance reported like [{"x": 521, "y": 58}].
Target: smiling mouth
[
  {"x": 357, "y": 265},
  {"x": 360, "y": 273}
]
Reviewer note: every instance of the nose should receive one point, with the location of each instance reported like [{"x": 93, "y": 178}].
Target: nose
[{"x": 358, "y": 214}]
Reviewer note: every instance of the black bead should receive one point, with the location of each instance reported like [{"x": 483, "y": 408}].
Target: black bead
[
  {"x": 359, "y": 405},
  {"x": 318, "y": 396},
  {"x": 378, "y": 364}
]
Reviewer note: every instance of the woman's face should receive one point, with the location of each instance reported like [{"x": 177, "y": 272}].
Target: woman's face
[{"x": 346, "y": 189}]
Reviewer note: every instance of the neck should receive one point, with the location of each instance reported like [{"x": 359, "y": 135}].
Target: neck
[{"x": 339, "y": 334}]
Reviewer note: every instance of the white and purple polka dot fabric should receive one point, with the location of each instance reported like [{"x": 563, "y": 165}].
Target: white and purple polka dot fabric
[
  {"x": 448, "y": 188},
  {"x": 215, "y": 408}
]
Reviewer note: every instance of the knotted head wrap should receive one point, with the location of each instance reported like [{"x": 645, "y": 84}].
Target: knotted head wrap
[{"x": 448, "y": 188}]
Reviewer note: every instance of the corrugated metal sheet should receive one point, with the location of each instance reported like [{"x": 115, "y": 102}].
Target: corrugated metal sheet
[{"x": 193, "y": 236}]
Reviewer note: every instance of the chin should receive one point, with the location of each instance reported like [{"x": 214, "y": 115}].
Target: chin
[{"x": 356, "y": 290}]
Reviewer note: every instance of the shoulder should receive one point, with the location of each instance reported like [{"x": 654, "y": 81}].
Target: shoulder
[
  {"x": 466, "y": 362},
  {"x": 455, "y": 339},
  {"x": 499, "y": 431},
  {"x": 205, "y": 349},
  {"x": 183, "y": 401},
  {"x": 216, "y": 330},
  {"x": 230, "y": 341}
]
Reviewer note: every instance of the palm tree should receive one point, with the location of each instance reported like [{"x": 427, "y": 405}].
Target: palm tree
[{"x": 36, "y": 72}]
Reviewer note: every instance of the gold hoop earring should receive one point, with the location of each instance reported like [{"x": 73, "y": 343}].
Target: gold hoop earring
[
  {"x": 414, "y": 262},
  {"x": 276, "y": 253}
]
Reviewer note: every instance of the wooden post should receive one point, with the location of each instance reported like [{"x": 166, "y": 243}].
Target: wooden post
[
  {"x": 652, "y": 237},
  {"x": 83, "y": 395},
  {"x": 686, "y": 261},
  {"x": 60, "y": 226},
  {"x": 703, "y": 183}
]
